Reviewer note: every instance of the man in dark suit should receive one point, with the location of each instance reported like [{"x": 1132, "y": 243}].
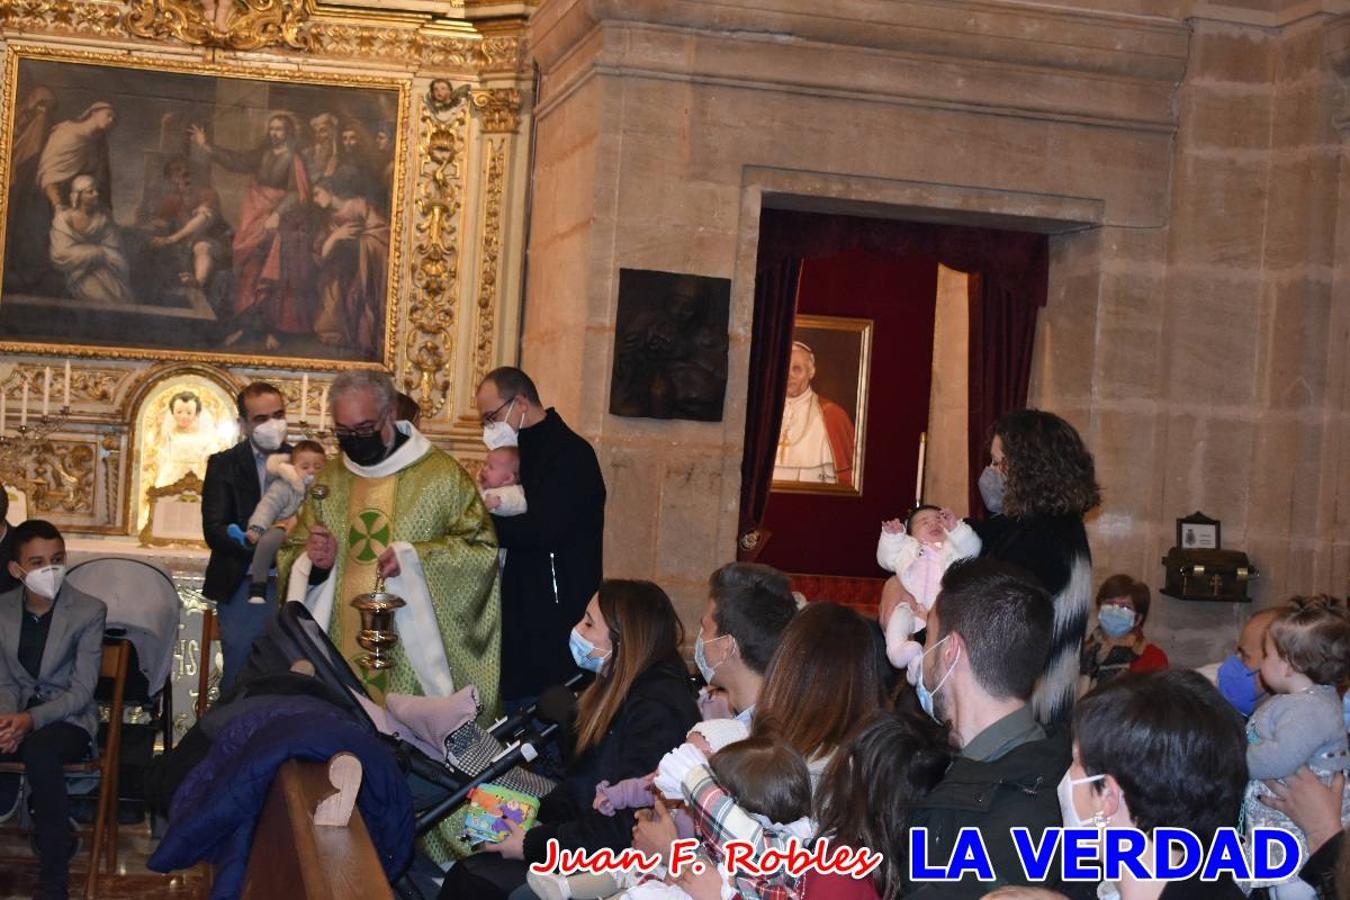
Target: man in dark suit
[
  {"x": 7, "y": 581},
  {"x": 232, "y": 488},
  {"x": 553, "y": 550},
  {"x": 51, "y": 645}
]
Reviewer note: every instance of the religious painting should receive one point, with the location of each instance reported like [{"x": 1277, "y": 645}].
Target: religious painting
[
  {"x": 198, "y": 211},
  {"x": 181, "y": 421},
  {"x": 670, "y": 346},
  {"x": 821, "y": 437}
]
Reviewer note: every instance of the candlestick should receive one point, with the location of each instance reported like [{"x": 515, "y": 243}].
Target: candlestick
[
  {"x": 304, "y": 398},
  {"x": 23, "y": 410},
  {"x": 2, "y": 412},
  {"x": 323, "y": 408},
  {"x": 65, "y": 395},
  {"x": 46, "y": 391},
  {"x": 918, "y": 484}
]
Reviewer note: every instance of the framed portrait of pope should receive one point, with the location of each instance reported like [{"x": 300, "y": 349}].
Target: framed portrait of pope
[{"x": 824, "y": 425}]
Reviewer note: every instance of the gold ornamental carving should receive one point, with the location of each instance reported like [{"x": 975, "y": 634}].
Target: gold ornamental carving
[
  {"x": 230, "y": 24},
  {"x": 500, "y": 109},
  {"x": 489, "y": 258},
  {"x": 90, "y": 18},
  {"x": 59, "y": 477},
  {"x": 430, "y": 339},
  {"x": 95, "y": 385}
]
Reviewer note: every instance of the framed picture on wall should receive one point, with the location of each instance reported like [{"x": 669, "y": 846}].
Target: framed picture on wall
[
  {"x": 1198, "y": 532},
  {"x": 208, "y": 212},
  {"x": 824, "y": 426}
]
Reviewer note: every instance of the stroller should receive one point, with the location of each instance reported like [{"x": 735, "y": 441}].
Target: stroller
[
  {"x": 143, "y": 607},
  {"x": 439, "y": 786}
]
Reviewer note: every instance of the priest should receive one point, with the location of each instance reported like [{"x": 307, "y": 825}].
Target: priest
[
  {"x": 815, "y": 440},
  {"x": 398, "y": 509}
]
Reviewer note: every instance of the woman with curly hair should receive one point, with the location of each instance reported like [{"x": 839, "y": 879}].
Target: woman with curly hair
[{"x": 1049, "y": 485}]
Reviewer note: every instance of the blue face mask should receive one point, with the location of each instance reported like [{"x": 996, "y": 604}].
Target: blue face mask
[
  {"x": 1239, "y": 685},
  {"x": 1116, "y": 621},
  {"x": 701, "y": 658},
  {"x": 991, "y": 489},
  {"x": 921, "y": 689},
  {"x": 581, "y": 653}
]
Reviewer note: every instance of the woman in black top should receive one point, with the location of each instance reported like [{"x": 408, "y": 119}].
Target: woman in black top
[
  {"x": 1049, "y": 485},
  {"x": 639, "y": 706}
]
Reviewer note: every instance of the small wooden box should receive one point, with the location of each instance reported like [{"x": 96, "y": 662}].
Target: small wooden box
[{"x": 1193, "y": 574}]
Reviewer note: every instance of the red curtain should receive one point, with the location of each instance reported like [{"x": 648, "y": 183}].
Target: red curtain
[{"x": 1011, "y": 280}]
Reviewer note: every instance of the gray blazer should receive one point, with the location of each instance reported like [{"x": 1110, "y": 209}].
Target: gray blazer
[{"x": 70, "y": 661}]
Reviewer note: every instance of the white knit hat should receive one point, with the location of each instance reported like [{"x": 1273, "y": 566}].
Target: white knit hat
[{"x": 720, "y": 732}]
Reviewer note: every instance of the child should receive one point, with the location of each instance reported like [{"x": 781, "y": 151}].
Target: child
[
  {"x": 288, "y": 478},
  {"x": 918, "y": 552},
  {"x": 1307, "y": 657},
  {"x": 499, "y": 482},
  {"x": 708, "y": 736}
]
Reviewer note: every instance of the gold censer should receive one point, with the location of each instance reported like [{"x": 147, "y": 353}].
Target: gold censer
[{"x": 377, "y": 634}]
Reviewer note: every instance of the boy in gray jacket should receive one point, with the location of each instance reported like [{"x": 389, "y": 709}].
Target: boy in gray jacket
[{"x": 272, "y": 519}]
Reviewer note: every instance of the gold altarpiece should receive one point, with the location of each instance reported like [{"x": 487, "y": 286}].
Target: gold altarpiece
[{"x": 457, "y": 245}]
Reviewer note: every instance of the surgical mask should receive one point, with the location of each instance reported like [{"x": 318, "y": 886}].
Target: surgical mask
[
  {"x": 1066, "y": 807},
  {"x": 581, "y": 653},
  {"x": 46, "y": 581},
  {"x": 991, "y": 489},
  {"x": 270, "y": 435},
  {"x": 500, "y": 434},
  {"x": 701, "y": 658},
  {"x": 364, "y": 450},
  {"x": 1116, "y": 621},
  {"x": 1239, "y": 685},
  {"x": 926, "y": 696}
]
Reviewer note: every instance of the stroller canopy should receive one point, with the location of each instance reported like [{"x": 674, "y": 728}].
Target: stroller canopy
[{"x": 141, "y": 599}]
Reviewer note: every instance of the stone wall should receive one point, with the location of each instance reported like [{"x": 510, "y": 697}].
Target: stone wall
[{"x": 1188, "y": 170}]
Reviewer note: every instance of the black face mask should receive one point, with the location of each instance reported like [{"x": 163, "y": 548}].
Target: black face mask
[{"x": 364, "y": 451}]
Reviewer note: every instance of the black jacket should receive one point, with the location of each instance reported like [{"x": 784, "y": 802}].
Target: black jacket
[
  {"x": 1018, "y": 788},
  {"x": 553, "y": 556},
  {"x": 1055, "y": 550},
  {"x": 653, "y": 720},
  {"x": 230, "y": 491},
  {"x": 7, "y": 581}
]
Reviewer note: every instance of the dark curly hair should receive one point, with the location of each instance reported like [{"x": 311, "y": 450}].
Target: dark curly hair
[{"x": 1049, "y": 470}]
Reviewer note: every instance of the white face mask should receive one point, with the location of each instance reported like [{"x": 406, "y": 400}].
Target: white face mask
[
  {"x": 500, "y": 434},
  {"x": 45, "y": 582},
  {"x": 1066, "y": 807},
  {"x": 270, "y": 435}
]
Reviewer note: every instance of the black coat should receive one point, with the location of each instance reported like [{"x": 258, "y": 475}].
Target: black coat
[
  {"x": 230, "y": 492},
  {"x": 653, "y": 720},
  {"x": 7, "y": 581},
  {"x": 1055, "y": 550},
  {"x": 553, "y": 556}
]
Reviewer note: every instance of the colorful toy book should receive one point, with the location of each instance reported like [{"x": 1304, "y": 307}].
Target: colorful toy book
[{"x": 491, "y": 806}]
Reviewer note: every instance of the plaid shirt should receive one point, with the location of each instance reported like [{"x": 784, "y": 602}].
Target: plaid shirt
[{"x": 719, "y": 821}]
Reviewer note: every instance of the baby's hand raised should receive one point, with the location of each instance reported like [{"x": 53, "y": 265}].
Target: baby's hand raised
[
  {"x": 948, "y": 519},
  {"x": 893, "y": 526},
  {"x": 492, "y": 501}
]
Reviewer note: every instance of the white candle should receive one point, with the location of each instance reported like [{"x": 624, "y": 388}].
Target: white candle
[
  {"x": 2, "y": 411},
  {"x": 23, "y": 410},
  {"x": 46, "y": 391},
  {"x": 65, "y": 396},
  {"x": 304, "y": 398},
  {"x": 918, "y": 484},
  {"x": 323, "y": 408}
]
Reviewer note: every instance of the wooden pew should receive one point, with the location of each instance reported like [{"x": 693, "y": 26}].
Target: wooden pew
[{"x": 295, "y": 857}]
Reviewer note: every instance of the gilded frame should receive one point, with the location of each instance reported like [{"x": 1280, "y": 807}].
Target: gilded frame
[
  {"x": 189, "y": 487},
  {"x": 18, "y": 52},
  {"x": 853, "y": 335}
]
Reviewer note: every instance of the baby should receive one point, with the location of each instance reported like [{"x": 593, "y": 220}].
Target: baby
[
  {"x": 499, "y": 482},
  {"x": 1307, "y": 658},
  {"x": 919, "y": 552},
  {"x": 288, "y": 478}
]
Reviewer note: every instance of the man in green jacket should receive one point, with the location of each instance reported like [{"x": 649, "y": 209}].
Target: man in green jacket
[{"x": 987, "y": 642}]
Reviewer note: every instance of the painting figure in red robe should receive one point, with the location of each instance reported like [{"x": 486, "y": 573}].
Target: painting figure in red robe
[
  {"x": 815, "y": 440},
  {"x": 273, "y": 266}
]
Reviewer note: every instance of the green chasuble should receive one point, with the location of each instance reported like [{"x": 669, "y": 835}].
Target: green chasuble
[{"x": 423, "y": 497}]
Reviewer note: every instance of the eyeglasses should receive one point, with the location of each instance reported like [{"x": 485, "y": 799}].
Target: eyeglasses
[
  {"x": 364, "y": 431},
  {"x": 492, "y": 416}
]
